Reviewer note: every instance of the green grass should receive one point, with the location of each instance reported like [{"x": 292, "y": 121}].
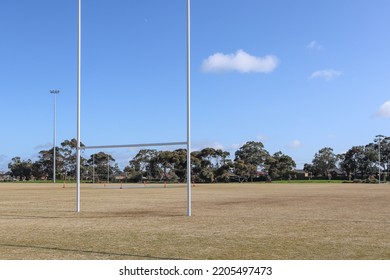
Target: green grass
[{"x": 313, "y": 181}]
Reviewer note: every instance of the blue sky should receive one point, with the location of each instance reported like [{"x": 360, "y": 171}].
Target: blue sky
[{"x": 295, "y": 75}]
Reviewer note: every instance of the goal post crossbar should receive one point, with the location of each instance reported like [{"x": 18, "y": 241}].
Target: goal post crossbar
[{"x": 134, "y": 145}]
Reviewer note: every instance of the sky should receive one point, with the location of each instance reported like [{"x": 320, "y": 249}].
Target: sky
[{"x": 297, "y": 76}]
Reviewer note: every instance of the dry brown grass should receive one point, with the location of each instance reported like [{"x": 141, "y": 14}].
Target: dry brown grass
[{"x": 235, "y": 221}]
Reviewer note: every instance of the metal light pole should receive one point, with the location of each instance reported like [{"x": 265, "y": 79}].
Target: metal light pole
[
  {"x": 379, "y": 138},
  {"x": 54, "y": 92}
]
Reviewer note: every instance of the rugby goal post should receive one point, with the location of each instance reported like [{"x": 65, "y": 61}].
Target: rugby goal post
[{"x": 187, "y": 142}]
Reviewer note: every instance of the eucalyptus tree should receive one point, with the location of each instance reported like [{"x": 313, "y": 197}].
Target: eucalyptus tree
[
  {"x": 249, "y": 159},
  {"x": 252, "y": 153},
  {"x": 360, "y": 161},
  {"x": 244, "y": 171},
  {"x": 370, "y": 160},
  {"x": 165, "y": 162},
  {"x": 385, "y": 153},
  {"x": 353, "y": 162},
  {"x": 68, "y": 152},
  {"x": 43, "y": 167},
  {"x": 280, "y": 166},
  {"x": 180, "y": 163},
  {"x": 21, "y": 169},
  {"x": 38, "y": 171},
  {"x": 324, "y": 160},
  {"x": 102, "y": 165},
  {"x": 382, "y": 146},
  {"x": 224, "y": 172},
  {"x": 208, "y": 163},
  {"x": 146, "y": 162}
]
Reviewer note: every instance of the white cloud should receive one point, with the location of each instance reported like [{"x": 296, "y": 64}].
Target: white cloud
[
  {"x": 207, "y": 144},
  {"x": 384, "y": 110},
  {"x": 294, "y": 144},
  {"x": 327, "y": 74},
  {"x": 314, "y": 45},
  {"x": 44, "y": 146},
  {"x": 241, "y": 62}
]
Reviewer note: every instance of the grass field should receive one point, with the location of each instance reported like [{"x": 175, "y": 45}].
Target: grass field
[{"x": 234, "y": 221}]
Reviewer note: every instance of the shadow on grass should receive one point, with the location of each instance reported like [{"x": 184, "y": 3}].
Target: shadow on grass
[{"x": 89, "y": 252}]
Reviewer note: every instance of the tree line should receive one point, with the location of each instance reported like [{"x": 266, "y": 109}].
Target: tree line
[
  {"x": 251, "y": 162},
  {"x": 359, "y": 162}
]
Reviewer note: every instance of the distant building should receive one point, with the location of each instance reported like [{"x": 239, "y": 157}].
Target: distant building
[
  {"x": 4, "y": 176},
  {"x": 336, "y": 172},
  {"x": 301, "y": 174}
]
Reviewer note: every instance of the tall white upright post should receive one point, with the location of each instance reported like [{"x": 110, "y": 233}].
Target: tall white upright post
[
  {"x": 189, "y": 108},
  {"x": 54, "y": 141},
  {"x": 78, "y": 108}
]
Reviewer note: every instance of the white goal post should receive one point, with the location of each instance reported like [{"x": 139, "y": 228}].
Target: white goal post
[{"x": 187, "y": 143}]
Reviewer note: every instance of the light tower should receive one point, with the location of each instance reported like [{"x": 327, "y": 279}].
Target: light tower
[{"x": 54, "y": 92}]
